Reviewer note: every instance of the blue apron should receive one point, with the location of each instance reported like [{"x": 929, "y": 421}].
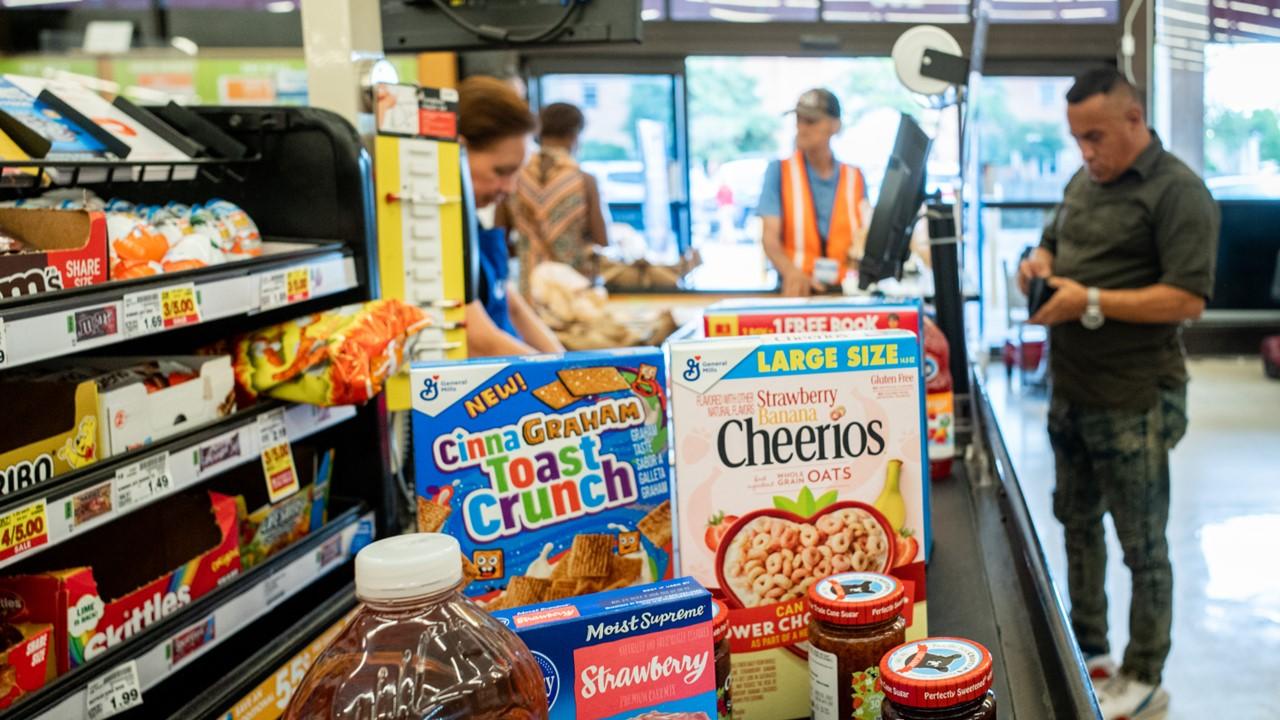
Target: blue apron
[{"x": 495, "y": 269}]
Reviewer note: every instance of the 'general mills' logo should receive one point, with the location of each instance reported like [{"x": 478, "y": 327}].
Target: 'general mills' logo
[
  {"x": 693, "y": 368},
  {"x": 550, "y": 677},
  {"x": 430, "y": 388}
]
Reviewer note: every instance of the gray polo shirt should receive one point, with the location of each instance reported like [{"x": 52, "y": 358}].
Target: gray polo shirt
[{"x": 1157, "y": 223}]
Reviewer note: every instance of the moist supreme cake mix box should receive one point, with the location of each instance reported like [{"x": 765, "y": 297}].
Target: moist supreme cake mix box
[
  {"x": 551, "y": 471},
  {"x": 796, "y": 457},
  {"x": 643, "y": 653}
]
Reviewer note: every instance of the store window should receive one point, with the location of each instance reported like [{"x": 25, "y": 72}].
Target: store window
[
  {"x": 1054, "y": 11},
  {"x": 912, "y": 11},
  {"x": 631, "y": 146},
  {"x": 756, "y": 11},
  {"x": 738, "y": 125},
  {"x": 1026, "y": 156}
]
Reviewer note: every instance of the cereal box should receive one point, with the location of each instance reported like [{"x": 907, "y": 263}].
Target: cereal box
[
  {"x": 550, "y": 470},
  {"x": 796, "y": 458},
  {"x": 642, "y": 653},
  {"x": 758, "y": 316}
]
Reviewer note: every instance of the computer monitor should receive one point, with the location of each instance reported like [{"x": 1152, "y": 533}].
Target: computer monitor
[
  {"x": 901, "y": 195},
  {"x": 421, "y": 25}
]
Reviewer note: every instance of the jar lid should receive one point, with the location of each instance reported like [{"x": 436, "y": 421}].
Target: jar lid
[
  {"x": 719, "y": 620},
  {"x": 407, "y": 566},
  {"x": 857, "y": 598},
  {"x": 939, "y": 672}
]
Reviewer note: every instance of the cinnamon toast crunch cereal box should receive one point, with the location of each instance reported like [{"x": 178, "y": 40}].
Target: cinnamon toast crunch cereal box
[
  {"x": 551, "y": 470},
  {"x": 643, "y": 653},
  {"x": 797, "y": 457}
]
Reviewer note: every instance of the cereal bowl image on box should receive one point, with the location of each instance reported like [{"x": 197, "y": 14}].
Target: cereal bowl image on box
[
  {"x": 550, "y": 470},
  {"x": 797, "y": 458}
]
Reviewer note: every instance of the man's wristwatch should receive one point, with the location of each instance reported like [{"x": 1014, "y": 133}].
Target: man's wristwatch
[{"x": 1093, "y": 317}]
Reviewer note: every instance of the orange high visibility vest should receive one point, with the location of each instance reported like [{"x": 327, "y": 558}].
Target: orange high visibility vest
[{"x": 800, "y": 238}]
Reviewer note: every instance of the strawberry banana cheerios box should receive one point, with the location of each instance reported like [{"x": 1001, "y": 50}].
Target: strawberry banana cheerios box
[
  {"x": 797, "y": 457},
  {"x": 551, "y": 471},
  {"x": 642, "y": 653}
]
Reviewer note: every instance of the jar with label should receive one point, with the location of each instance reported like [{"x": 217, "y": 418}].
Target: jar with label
[
  {"x": 939, "y": 678},
  {"x": 855, "y": 618},
  {"x": 720, "y": 636}
]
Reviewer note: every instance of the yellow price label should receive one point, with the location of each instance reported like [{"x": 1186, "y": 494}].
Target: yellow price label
[
  {"x": 298, "y": 284},
  {"x": 178, "y": 306},
  {"x": 24, "y": 528}
]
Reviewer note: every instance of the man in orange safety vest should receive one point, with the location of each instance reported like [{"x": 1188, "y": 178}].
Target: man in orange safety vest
[{"x": 814, "y": 207}]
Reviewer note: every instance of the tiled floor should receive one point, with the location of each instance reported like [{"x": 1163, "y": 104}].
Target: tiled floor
[{"x": 1224, "y": 533}]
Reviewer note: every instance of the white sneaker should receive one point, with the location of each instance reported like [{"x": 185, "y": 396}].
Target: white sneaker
[
  {"x": 1101, "y": 669},
  {"x": 1123, "y": 698}
]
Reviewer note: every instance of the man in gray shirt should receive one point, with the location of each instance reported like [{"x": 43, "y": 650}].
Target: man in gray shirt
[{"x": 1129, "y": 254}]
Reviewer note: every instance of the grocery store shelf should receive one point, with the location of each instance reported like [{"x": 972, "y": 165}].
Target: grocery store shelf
[
  {"x": 81, "y": 501},
  {"x": 267, "y": 678},
  {"x": 38, "y": 327},
  {"x": 215, "y": 617}
]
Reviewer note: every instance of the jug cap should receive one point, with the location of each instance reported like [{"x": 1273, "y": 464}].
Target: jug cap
[{"x": 407, "y": 566}]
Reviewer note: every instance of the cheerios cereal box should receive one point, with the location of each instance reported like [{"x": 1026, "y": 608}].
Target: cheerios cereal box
[
  {"x": 796, "y": 457},
  {"x": 551, "y": 470}
]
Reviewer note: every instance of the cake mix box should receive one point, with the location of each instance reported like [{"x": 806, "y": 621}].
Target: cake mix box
[
  {"x": 796, "y": 457},
  {"x": 643, "y": 653},
  {"x": 551, "y": 471},
  {"x": 757, "y": 316}
]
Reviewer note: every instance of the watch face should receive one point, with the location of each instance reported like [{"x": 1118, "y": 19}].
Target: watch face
[{"x": 1092, "y": 319}]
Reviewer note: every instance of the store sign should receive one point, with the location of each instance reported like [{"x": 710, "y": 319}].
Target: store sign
[
  {"x": 114, "y": 692},
  {"x": 277, "y": 456},
  {"x": 23, "y": 529}
]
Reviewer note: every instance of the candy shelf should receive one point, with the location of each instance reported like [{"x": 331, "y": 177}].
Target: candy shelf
[
  {"x": 47, "y": 325},
  {"x": 221, "y": 614},
  {"x": 159, "y": 470}
]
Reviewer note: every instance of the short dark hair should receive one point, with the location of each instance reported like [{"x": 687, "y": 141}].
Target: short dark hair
[
  {"x": 561, "y": 121},
  {"x": 489, "y": 111},
  {"x": 1098, "y": 81}
]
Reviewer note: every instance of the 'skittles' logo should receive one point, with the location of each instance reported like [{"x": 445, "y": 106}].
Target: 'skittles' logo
[
  {"x": 430, "y": 388},
  {"x": 693, "y": 368},
  {"x": 550, "y": 676}
]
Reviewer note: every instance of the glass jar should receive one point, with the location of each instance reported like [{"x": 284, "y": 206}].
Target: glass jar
[
  {"x": 938, "y": 679},
  {"x": 724, "y": 665},
  {"x": 854, "y": 619}
]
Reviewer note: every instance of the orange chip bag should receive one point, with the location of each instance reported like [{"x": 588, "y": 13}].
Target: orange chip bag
[{"x": 337, "y": 357}]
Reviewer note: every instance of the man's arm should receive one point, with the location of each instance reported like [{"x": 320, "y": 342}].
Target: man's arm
[
  {"x": 530, "y": 326},
  {"x": 485, "y": 339},
  {"x": 596, "y": 225},
  {"x": 1153, "y": 304}
]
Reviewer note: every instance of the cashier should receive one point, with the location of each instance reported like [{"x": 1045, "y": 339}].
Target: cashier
[
  {"x": 1130, "y": 252},
  {"x": 814, "y": 207},
  {"x": 494, "y": 124}
]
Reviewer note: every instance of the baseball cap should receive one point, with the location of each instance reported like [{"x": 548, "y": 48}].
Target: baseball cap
[{"x": 817, "y": 103}]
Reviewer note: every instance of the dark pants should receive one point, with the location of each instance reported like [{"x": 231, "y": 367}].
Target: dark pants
[{"x": 1117, "y": 461}]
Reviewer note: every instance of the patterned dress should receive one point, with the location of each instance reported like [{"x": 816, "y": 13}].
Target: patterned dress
[{"x": 549, "y": 210}]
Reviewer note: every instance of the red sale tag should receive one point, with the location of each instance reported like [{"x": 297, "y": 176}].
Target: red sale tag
[
  {"x": 179, "y": 306},
  {"x": 22, "y": 529}
]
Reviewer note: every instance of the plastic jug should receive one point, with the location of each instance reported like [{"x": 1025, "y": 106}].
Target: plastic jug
[{"x": 417, "y": 648}]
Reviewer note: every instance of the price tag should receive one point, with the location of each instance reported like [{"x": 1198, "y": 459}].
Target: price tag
[
  {"x": 23, "y": 528},
  {"x": 4, "y": 345},
  {"x": 143, "y": 313},
  {"x": 179, "y": 305},
  {"x": 114, "y": 692},
  {"x": 299, "y": 284},
  {"x": 143, "y": 480},
  {"x": 273, "y": 290},
  {"x": 277, "y": 456}
]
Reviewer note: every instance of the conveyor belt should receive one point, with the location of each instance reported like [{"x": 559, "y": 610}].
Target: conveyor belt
[{"x": 988, "y": 581}]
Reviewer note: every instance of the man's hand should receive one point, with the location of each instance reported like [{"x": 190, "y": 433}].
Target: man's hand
[
  {"x": 1038, "y": 264},
  {"x": 795, "y": 283},
  {"x": 1067, "y": 304}
]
